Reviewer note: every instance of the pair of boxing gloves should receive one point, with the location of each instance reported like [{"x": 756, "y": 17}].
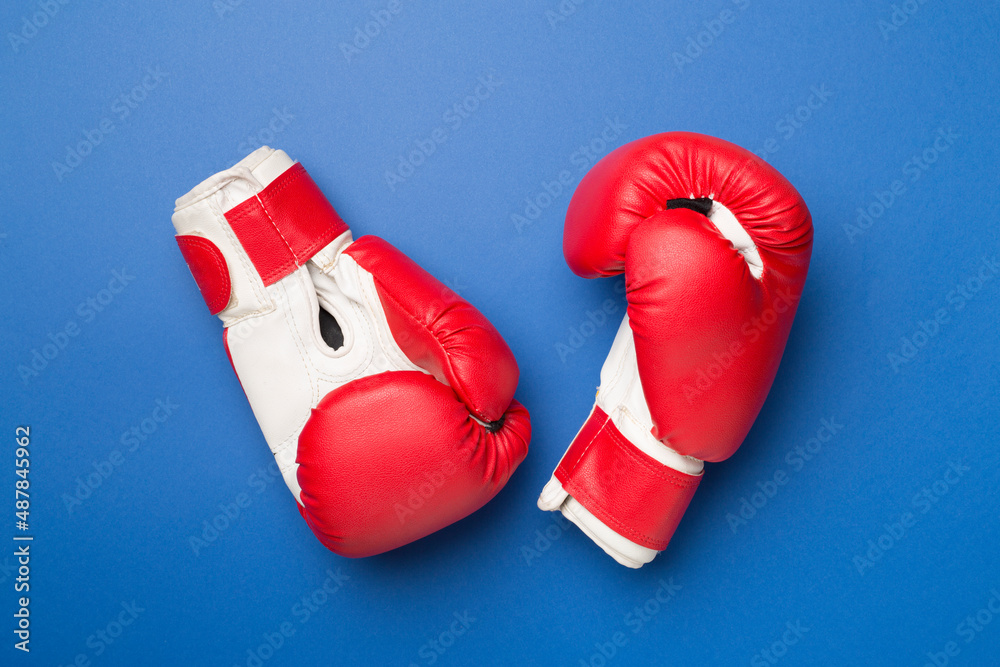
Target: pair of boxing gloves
[{"x": 388, "y": 401}]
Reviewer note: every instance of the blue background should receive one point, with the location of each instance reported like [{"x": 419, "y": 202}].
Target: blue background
[{"x": 225, "y": 71}]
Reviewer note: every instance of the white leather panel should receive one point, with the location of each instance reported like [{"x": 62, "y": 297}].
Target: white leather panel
[{"x": 285, "y": 366}]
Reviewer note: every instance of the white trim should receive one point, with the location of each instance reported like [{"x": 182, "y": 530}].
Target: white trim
[{"x": 730, "y": 227}]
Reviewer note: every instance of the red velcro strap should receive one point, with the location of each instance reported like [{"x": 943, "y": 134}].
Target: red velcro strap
[
  {"x": 632, "y": 493},
  {"x": 285, "y": 224},
  {"x": 209, "y": 269}
]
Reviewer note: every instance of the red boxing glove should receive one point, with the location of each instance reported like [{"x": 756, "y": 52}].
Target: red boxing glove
[
  {"x": 386, "y": 399},
  {"x": 715, "y": 245}
]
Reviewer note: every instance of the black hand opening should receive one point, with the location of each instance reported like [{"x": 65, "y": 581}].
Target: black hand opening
[{"x": 329, "y": 329}]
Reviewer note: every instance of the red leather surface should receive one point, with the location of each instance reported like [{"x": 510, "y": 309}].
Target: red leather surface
[
  {"x": 285, "y": 224},
  {"x": 209, "y": 269},
  {"x": 632, "y": 493},
  {"x": 390, "y": 458},
  {"x": 440, "y": 331},
  {"x": 708, "y": 335}
]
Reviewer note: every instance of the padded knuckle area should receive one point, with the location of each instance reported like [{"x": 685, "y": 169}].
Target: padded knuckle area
[
  {"x": 681, "y": 248},
  {"x": 390, "y": 458},
  {"x": 440, "y": 331},
  {"x": 639, "y": 180}
]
